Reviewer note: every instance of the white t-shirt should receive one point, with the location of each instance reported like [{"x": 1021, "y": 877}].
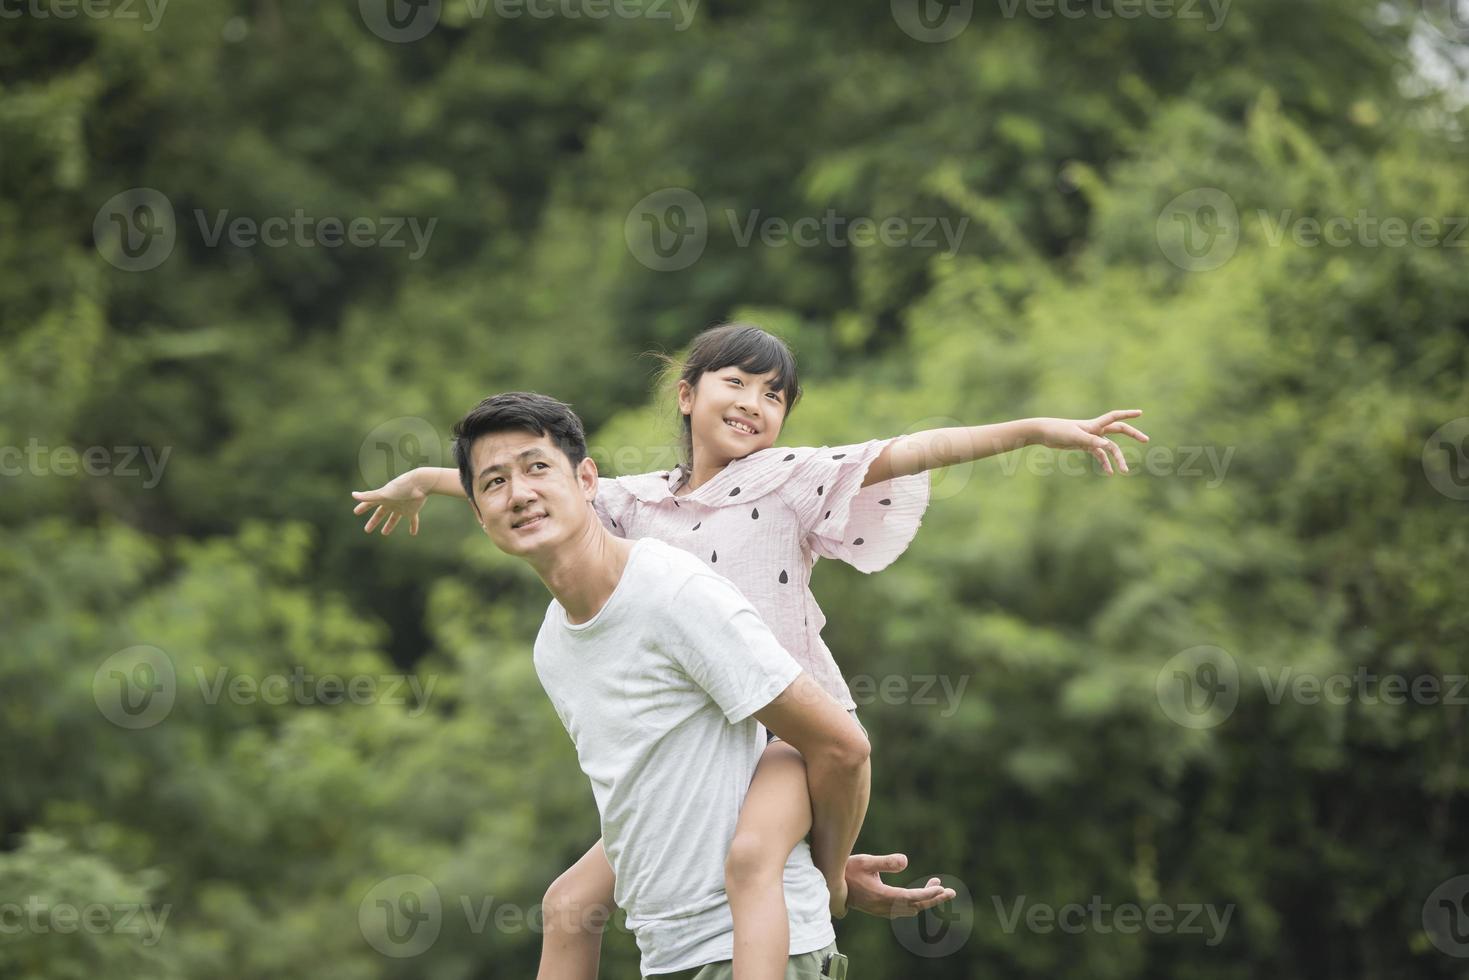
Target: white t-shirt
[{"x": 657, "y": 692}]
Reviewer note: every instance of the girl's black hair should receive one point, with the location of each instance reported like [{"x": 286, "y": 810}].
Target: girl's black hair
[{"x": 741, "y": 345}]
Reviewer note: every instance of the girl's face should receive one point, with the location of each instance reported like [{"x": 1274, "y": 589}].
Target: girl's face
[{"x": 732, "y": 413}]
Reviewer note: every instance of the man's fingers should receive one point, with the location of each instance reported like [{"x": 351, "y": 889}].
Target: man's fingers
[
  {"x": 889, "y": 862},
  {"x": 932, "y": 901}
]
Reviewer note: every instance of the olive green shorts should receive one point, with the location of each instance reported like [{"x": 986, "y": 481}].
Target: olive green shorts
[{"x": 806, "y": 966}]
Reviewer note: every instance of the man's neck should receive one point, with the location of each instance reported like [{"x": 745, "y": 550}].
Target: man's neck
[{"x": 583, "y": 574}]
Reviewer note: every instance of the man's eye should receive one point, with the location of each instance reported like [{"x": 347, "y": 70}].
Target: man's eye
[
  {"x": 735, "y": 380},
  {"x": 534, "y": 465}
]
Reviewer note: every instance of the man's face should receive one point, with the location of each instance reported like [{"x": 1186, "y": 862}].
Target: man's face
[{"x": 530, "y": 499}]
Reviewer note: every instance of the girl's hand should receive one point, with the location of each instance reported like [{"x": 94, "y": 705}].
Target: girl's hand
[
  {"x": 1086, "y": 434},
  {"x": 401, "y": 497},
  {"x": 838, "y": 892}
]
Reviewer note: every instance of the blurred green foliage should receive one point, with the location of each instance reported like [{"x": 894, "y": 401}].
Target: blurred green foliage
[{"x": 1314, "y": 539}]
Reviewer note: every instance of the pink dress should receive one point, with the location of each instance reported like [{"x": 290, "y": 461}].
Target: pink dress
[{"x": 764, "y": 521}]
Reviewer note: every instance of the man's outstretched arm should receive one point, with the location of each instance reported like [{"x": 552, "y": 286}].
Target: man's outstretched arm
[{"x": 838, "y": 772}]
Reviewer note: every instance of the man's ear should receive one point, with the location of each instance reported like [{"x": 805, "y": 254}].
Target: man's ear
[{"x": 586, "y": 475}]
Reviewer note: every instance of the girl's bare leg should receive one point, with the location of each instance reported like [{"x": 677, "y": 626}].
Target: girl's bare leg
[
  {"x": 577, "y": 907},
  {"x": 776, "y": 816}
]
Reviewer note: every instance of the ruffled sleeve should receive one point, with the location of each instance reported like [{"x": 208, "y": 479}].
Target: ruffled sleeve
[
  {"x": 613, "y": 504},
  {"x": 866, "y": 527}
]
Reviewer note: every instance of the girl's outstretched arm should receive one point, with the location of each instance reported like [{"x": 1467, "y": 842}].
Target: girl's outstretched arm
[
  {"x": 935, "y": 448},
  {"x": 404, "y": 496}
]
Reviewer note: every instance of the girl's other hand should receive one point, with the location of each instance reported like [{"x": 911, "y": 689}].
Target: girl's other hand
[
  {"x": 401, "y": 497},
  {"x": 1087, "y": 435}
]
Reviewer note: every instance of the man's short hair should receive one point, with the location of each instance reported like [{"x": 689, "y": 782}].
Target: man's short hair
[{"x": 517, "y": 411}]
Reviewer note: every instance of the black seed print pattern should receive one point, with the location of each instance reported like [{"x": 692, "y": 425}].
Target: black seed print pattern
[
  {"x": 885, "y": 501},
  {"x": 858, "y": 541},
  {"x": 839, "y": 455},
  {"x": 735, "y": 492},
  {"x": 697, "y": 526},
  {"x": 819, "y": 489},
  {"x": 713, "y": 557},
  {"x": 784, "y": 578},
  {"x": 755, "y": 514},
  {"x": 789, "y": 458}
]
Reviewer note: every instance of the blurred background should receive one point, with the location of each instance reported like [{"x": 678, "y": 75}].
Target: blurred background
[{"x": 1203, "y": 721}]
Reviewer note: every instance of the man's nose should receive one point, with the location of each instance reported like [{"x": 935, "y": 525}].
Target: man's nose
[{"x": 521, "y": 491}]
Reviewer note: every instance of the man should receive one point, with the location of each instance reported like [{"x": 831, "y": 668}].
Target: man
[{"x": 663, "y": 674}]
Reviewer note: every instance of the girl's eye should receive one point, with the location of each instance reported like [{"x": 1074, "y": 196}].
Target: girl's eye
[
  {"x": 773, "y": 395},
  {"x": 735, "y": 380},
  {"x": 534, "y": 465}
]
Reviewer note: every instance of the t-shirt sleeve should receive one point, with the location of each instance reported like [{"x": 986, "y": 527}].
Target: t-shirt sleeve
[
  {"x": 866, "y": 527},
  {"x": 613, "y": 505},
  {"x": 725, "y": 647}
]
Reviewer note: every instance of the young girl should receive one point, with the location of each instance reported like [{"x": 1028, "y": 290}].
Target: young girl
[{"x": 761, "y": 516}]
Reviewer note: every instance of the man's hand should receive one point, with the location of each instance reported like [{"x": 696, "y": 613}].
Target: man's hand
[
  {"x": 401, "y": 497},
  {"x": 867, "y": 892},
  {"x": 1086, "y": 435}
]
